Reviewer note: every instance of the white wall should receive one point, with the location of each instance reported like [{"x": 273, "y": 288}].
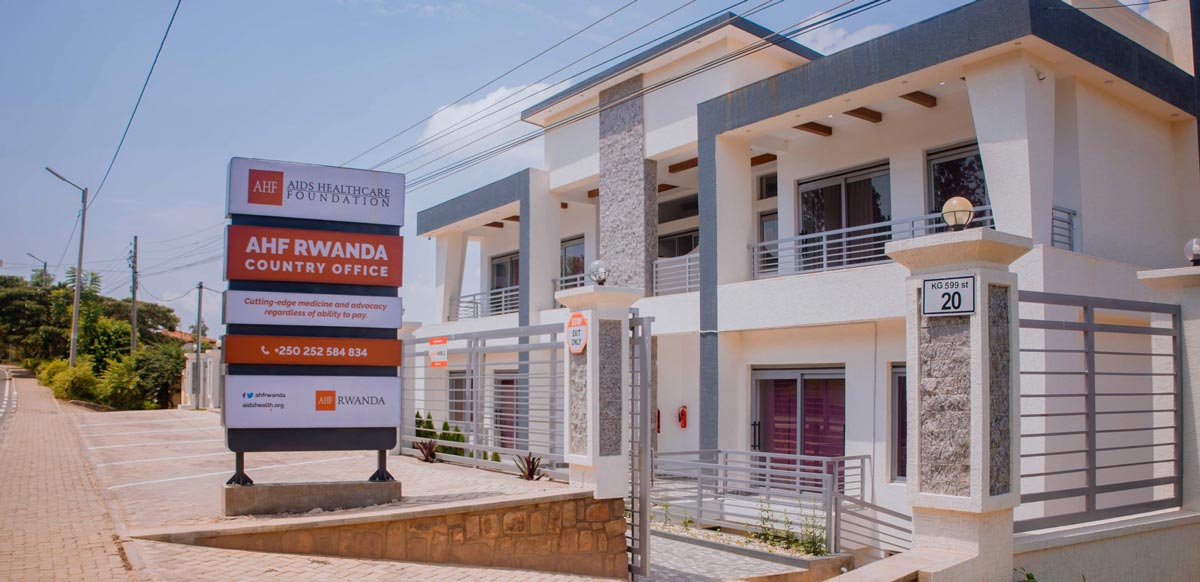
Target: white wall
[
  {"x": 678, "y": 385},
  {"x": 573, "y": 151}
]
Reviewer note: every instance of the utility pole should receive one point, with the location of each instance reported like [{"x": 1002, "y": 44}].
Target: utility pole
[
  {"x": 133, "y": 336},
  {"x": 78, "y": 266},
  {"x": 196, "y": 339}
]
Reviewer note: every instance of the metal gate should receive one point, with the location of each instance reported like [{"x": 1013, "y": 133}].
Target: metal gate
[
  {"x": 496, "y": 395},
  {"x": 641, "y": 454},
  {"x": 1101, "y": 409}
]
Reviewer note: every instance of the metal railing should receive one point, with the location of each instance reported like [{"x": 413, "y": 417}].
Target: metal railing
[
  {"x": 740, "y": 490},
  {"x": 856, "y": 246},
  {"x": 570, "y": 282},
  {"x": 861, "y": 525},
  {"x": 486, "y": 303},
  {"x": 1062, "y": 228},
  {"x": 498, "y": 397},
  {"x": 1101, "y": 409},
  {"x": 677, "y": 274}
]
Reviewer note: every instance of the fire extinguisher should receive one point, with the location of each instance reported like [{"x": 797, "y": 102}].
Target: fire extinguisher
[{"x": 682, "y": 417}]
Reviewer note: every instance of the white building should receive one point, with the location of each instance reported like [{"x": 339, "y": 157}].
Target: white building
[{"x": 751, "y": 202}]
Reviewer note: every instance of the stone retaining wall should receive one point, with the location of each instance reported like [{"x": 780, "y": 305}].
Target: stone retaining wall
[{"x": 578, "y": 535}]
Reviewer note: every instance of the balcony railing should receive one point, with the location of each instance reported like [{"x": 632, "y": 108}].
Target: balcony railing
[
  {"x": 570, "y": 282},
  {"x": 494, "y": 302},
  {"x": 856, "y": 246},
  {"x": 1062, "y": 228},
  {"x": 677, "y": 274}
]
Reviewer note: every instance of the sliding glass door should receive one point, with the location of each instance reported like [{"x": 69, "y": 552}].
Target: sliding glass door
[
  {"x": 799, "y": 412},
  {"x": 846, "y": 201}
]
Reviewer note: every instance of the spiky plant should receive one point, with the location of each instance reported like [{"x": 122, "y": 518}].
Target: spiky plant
[
  {"x": 428, "y": 450},
  {"x": 529, "y": 467}
]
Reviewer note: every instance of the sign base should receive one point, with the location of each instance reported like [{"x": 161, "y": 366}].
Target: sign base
[{"x": 269, "y": 498}]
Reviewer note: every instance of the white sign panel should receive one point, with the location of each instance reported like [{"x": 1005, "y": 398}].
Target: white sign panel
[
  {"x": 948, "y": 296},
  {"x": 439, "y": 355},
  {"x": 320, "y": 309},
  {"x": 577, "y": 333},
  {"x": 311, "y": 402},
  {"x": 269, "y": 188}
]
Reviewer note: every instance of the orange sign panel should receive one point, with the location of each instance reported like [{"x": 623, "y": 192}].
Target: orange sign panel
[
  {"x": 262, "y": 253},
  {"x": 311, "y": 351}
]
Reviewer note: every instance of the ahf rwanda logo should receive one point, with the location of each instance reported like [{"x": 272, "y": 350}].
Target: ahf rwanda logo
[
  {"x": 327, "y": 400},
  {"x": 265, "y": 187}
]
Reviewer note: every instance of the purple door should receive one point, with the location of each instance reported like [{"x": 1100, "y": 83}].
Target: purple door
[
  {"x": 824, "y": 432},
  {"x": 802, "y": 415},
  {"x": 777, "y": 416}
]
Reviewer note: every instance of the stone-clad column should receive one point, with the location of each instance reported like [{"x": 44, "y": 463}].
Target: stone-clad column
[
  {"x": 963, "y": 407},
  {"x": 596, "y": 390},
  {"x": 628, "y": 190}
]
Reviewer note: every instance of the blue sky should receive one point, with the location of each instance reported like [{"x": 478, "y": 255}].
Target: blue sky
[{"x": 315, "y": 81}]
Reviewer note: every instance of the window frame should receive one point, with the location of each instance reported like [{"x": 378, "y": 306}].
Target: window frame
[
  {"x": 511, "y": 258},
  {"x": 946, "y": 154},
  {"x": 762, "y": 185},
  {"x": 678, "y": 234},
  {"x": 897, "y": 472},
  {"x": 562, "y": 249},
  {"x": 873, "y": 170}
]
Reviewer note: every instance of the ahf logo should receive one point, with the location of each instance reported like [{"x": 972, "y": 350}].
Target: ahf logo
[
  {"x": 265, "y": 187},
  {"x": 326, "y": 400}
]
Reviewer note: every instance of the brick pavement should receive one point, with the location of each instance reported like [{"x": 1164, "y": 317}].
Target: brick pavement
[{"x": 54, "y": 525}]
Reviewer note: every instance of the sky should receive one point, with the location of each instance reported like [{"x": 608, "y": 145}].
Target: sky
[{"x": 315, "y": 81}]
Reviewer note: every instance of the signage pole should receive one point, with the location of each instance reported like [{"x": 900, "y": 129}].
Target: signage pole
[
  {"x": 197, "y": 339},
  {"x": 133, "y": 336}
]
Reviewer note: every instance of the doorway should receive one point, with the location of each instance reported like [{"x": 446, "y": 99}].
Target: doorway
[{"x": 799, "y": 412}]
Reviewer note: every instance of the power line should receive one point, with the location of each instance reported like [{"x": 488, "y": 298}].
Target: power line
[
  {"x": 67, "y": 246},
  {"x": 188, "y": 235},
  {"x": 1104, "y": 7},
  {"x": 497, "y": 78},
  {"x": 136, "y": 104}
]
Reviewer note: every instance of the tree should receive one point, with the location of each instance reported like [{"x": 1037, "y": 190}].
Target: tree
[
  {"x": 41, "y": 278},
  {"x": 92, "y": 281},
  {"x": 105, "y": 339},
  {"x": 159, "y": 371}
]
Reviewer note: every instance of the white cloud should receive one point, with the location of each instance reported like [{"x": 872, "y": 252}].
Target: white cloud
[
  {"x": 390, "y": 8},
  {"x": 833, "y": 39}
]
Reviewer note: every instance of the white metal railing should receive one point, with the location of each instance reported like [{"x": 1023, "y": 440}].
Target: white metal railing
[
  {"x": 847, "y": 247},
  {"x": 494, "y": 302},
  {"x": 677, "y": 274},
  {"x": 1062, "y": 228},
  {"x": 742, "y": 490},
  {"x": 570, "y": 282}
]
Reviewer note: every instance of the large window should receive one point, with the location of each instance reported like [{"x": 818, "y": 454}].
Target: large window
[
  {"x": 506, "y": 271},
  {"x": 899, "y": 423},
  {"x": 768, "y": 186},
  {"x": 956, "y": 171},
  {"x": 572, "y": 257},
  {"x": 679, "y": 208},
  {"x": 678, "y": 244},
  {"x": 852, "y": 199}
]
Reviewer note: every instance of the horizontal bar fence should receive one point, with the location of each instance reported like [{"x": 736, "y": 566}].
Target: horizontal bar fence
[
  {"x": 487, "y": 303},
  {"x": 677, "y": 275},
  {"x": 1101, "y": 409},
  {"x": 1062, "y": 228},
  {"x": 856, "y": 246},
  {"x": 498, "y": 397},
  {"x": 862, "y": 525}
]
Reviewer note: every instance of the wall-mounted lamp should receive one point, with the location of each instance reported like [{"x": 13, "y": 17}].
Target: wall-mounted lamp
[
  {"x": 1192, "y": 251},
  {"x": 958, "y": 212},
  {"x": 598, "y": 272}
]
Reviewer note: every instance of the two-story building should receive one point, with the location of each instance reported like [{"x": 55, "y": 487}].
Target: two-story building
[{"x": 748, "y": 185}]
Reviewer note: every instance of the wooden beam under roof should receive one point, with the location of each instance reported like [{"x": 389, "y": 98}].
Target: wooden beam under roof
[
  {"x": 513, "y": 218},
  {"x": 683, "y": 166},
  {"x": 866, "y": 114},
  {"x": 921, "y": 98},
  {"x": 594, "y": 193},
  {"x": 563, "y": 205},
  {"x": 762, "y": 159},
  {"x": 495, "y": 224},
  {"x": 816, "y": 128},
  {"x": 665, "y": 187}
]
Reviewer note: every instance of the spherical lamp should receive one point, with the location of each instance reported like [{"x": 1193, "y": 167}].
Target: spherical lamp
[
  {"x": 598, "y": 272},
  {"x": 1192, "y": 251},
  {"x": 958, "y": 213}
]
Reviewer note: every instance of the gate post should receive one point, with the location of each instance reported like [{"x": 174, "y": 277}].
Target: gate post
[
  {"x": 596, "y": 389},
  {"x": 963, "y": 408},
  {"x": 1184, "y": 284}
]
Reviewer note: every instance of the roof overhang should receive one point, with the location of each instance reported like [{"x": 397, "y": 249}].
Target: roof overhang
[{"x": 478, "y": 207}]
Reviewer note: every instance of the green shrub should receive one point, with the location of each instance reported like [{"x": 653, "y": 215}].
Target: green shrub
[
  {"x": 78, "y": 383},
  {"x": 159, "y": 369},
  {"x": 49, "y": 370},
  {"x": 121, "y": 388}
]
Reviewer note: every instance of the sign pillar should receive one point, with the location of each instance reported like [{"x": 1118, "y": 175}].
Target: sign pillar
[
  {"x": 963, "y": 407},
  {"x": 596, "y": 385}
]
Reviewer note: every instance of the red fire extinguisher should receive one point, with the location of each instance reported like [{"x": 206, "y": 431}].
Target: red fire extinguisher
[{"x": 682, "y": 417}]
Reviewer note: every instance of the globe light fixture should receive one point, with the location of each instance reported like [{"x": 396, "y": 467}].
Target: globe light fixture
[
  {"x": 958, "y": 213},
  {"x": 598, "y": 272},
  {"x": 1192, "y": 251}
]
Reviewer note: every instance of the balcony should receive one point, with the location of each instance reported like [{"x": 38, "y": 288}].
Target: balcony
[
  {"x": 857, "y": 246},
  {"x": 487, "y": 303},
  {"x": 677, "y": 274}
]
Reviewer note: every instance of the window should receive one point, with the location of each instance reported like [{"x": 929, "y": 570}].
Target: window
[
  {"x": 678, "y": 244},
  {"x": 851, "y": 199},
  {"x": 956, "y": 171},
  {"x": 460, "y": 398},
  {"x": 679, "y": 208},
  {"x": 899, "y": 423},
  {"x": 572, "y": 257},
  {"x": 768, "y": 226},
  {"x": 768, "y": 186},
  {"x": 506, "y": 271}
]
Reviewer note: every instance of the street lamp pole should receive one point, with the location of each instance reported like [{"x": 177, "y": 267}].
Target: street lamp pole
[
  {"x": 78, "y": 266},
  {"x": 45, "y": 271}
]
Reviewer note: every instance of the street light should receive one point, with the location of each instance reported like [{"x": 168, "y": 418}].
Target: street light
[
  {"x": 958, "y": 213},
  {"x": 1192, "y": 250},
  {"x": 44, "y": 270},
  {"x": 78, "y": 265},
  {"x": 598, "y": 271}
]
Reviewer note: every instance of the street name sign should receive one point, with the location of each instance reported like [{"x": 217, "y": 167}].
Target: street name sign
[
  {"x": 316, "y": 309},
  {"x": 288, "y": 189},
  {"x": 311, "y": 351},
  {"x": 311, "y": 401},
  {"x": 948, "y": 296}
]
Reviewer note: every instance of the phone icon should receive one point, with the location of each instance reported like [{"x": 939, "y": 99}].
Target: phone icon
[{"x": 264, "y": 350}]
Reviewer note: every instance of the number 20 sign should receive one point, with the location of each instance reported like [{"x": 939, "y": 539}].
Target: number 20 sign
[{"x": 948, "y": 296}]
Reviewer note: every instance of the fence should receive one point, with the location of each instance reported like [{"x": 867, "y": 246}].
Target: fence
[
  {"x": 1101, "y": 414},
  {"x": 483, "y": 304},
  {"x": 861, "y": 525},
  {"x": 677, "y": 275},
  {"x": 856, "y": 246},
  {"x": 640, "y": 447},
  {"x": 1062, "y": 228},
  {"x": 499, "y": 396}
]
